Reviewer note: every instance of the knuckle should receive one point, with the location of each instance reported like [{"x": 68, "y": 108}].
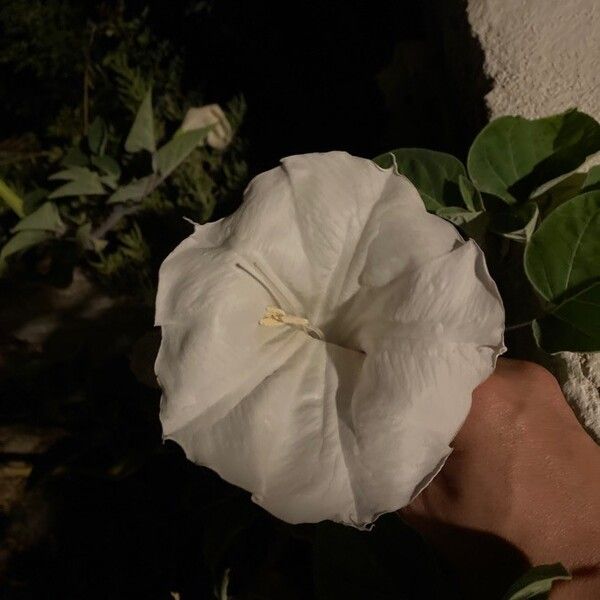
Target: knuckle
[{"x": 535, "y": 373}]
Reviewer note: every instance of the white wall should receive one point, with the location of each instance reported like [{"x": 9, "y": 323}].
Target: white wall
[{"x": 543, "y": 55}]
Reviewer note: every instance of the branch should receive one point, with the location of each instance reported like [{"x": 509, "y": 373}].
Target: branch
[{"x": 113, "y": 220}]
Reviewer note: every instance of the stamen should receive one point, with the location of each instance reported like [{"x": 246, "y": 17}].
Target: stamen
[
  {"x": 277, "y": 317},
  {"x": 271, "y": 283}
]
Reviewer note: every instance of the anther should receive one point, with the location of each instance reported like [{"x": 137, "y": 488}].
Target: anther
[{"x": 277, "y": 317}]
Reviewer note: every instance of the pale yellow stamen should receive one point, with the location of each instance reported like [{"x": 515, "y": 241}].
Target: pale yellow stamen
[{"x": 277, "y": 317}]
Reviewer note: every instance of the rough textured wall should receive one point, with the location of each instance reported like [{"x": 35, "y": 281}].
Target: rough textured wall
[{"x": 544, "y": 57}]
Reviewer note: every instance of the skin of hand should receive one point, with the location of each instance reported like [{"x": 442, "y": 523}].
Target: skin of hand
[{"x": 521, "y": 488}]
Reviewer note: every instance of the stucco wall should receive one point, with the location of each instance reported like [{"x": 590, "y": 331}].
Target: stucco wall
[{"x": 543, "y": 57}]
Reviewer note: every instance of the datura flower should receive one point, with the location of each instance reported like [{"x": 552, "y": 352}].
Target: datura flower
[
  {"x": 220, "y": 134},
  {"x": 320, "y": 346}
]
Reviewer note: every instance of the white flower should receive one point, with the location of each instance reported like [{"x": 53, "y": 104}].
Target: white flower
[
  {"x": 220, "y": 135},
  {"x": 320, "y": 346}
]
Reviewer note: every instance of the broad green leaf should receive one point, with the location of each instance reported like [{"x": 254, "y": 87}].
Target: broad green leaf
[
  {"x": 470, "y": 194},
  {"x": 20, "y": 242},
  {"x": 562, "y": 256},
  {"x": 553, "y": 193},
  {"x": 34, "y": 199},
  {"x": 109, "y": 181},
  {"x": 108, "y": 165},
  {"x": 83, "y": 187},
  {"x": 175, "y": 151},
  {"x": 135, "y": 190},
  {"x": 45, "y": 218},
  {"x": 574, "y": 325},
  {"x": 436, "y": 175},
  {"x": 537, "y": 582},
  {"x": 73, "y": 173},
  {"x": 141, "y": 135},
  {"x": 12, "y": 199},
  {"x": 82, "y": 181},
  {"x": 516, "y": 222},
  {"x": 456, "y": 215},
  {"x": 78, "y": 188},
  {"x": 592, "y": 180},
  {"x": 97, "y": 135},
  {"x": 512, "y": 156},
  {"x": 74, "y": 158}
]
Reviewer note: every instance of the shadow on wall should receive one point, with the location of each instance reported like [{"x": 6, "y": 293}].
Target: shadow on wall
[{"x": 364, "y": 77}]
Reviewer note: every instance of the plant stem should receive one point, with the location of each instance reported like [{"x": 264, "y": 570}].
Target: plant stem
[
  {"x": 518, "y": 325},
  {"x": 87, "y": 80},
  {"x": 122, "y": 211},
  {"x": 113, "y": 219}
]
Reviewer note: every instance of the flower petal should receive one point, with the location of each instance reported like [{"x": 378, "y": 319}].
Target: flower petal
[
  {"x": 409, "y": 403},
  {"x": 220, "y": 135},
  {"x": 357, "y": 425},
  {"x": 282, "y": 441},
  {"x": 213, "y": 351},
  {"x": 314, "y": 218},
  {"x": 450, "y": 299}
]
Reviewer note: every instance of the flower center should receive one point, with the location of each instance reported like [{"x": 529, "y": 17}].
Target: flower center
[
  {"x": 277, "y": 317},
  {"x": 274, "y": 315}
]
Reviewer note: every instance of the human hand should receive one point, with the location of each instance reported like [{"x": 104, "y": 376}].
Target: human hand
[{"x": 521, "y": 488}]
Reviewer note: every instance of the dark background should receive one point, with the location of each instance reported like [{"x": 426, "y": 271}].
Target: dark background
[
  {"x": 110, "y": 512},
  {"x": 359, "y": 76}
]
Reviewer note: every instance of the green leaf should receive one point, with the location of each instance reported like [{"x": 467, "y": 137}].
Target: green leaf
[
  {"x": 574, "y": 325},
  {"x": 518, "y": 223},
  {"x": 592, "y": 180},
  {"x": 562, "y": 256},
  {"x": 12, "y": 199},
  {"x": 108, "y": 165},
  {"x": 456, "y": 215},
  {"x": 71, "y": 174},
  {"x": 79, "y": 188},
  {"x": 74, "y": 158},
  {"x": 470, "y": 194},
  {"x": 135, "y": 190},
  {"x": 512, "y": 156},
  {"x": 141, "y": 135},
  {"x": 174, "y": 152},
  {"x": 554, "y": 193},
  {"x": 97, "y": 136},
  {"x": 537, "y": 582},
  {"x": 436, "y": 175},
  {"x": 109, "y": 181},
  {"x": 22, "y": 241},
  {"x": 45, "y": 218},
  {"x": 562, "y": 263},
  {"x": 82, "y": 181},
  {"x": 34, "y": 199}
]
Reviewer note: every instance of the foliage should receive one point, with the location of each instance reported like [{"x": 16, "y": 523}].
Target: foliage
[
  {"x": 520, "y": 196},
  {"x": 537, "y": 582},
  {"x": 112, "y": 166}
]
